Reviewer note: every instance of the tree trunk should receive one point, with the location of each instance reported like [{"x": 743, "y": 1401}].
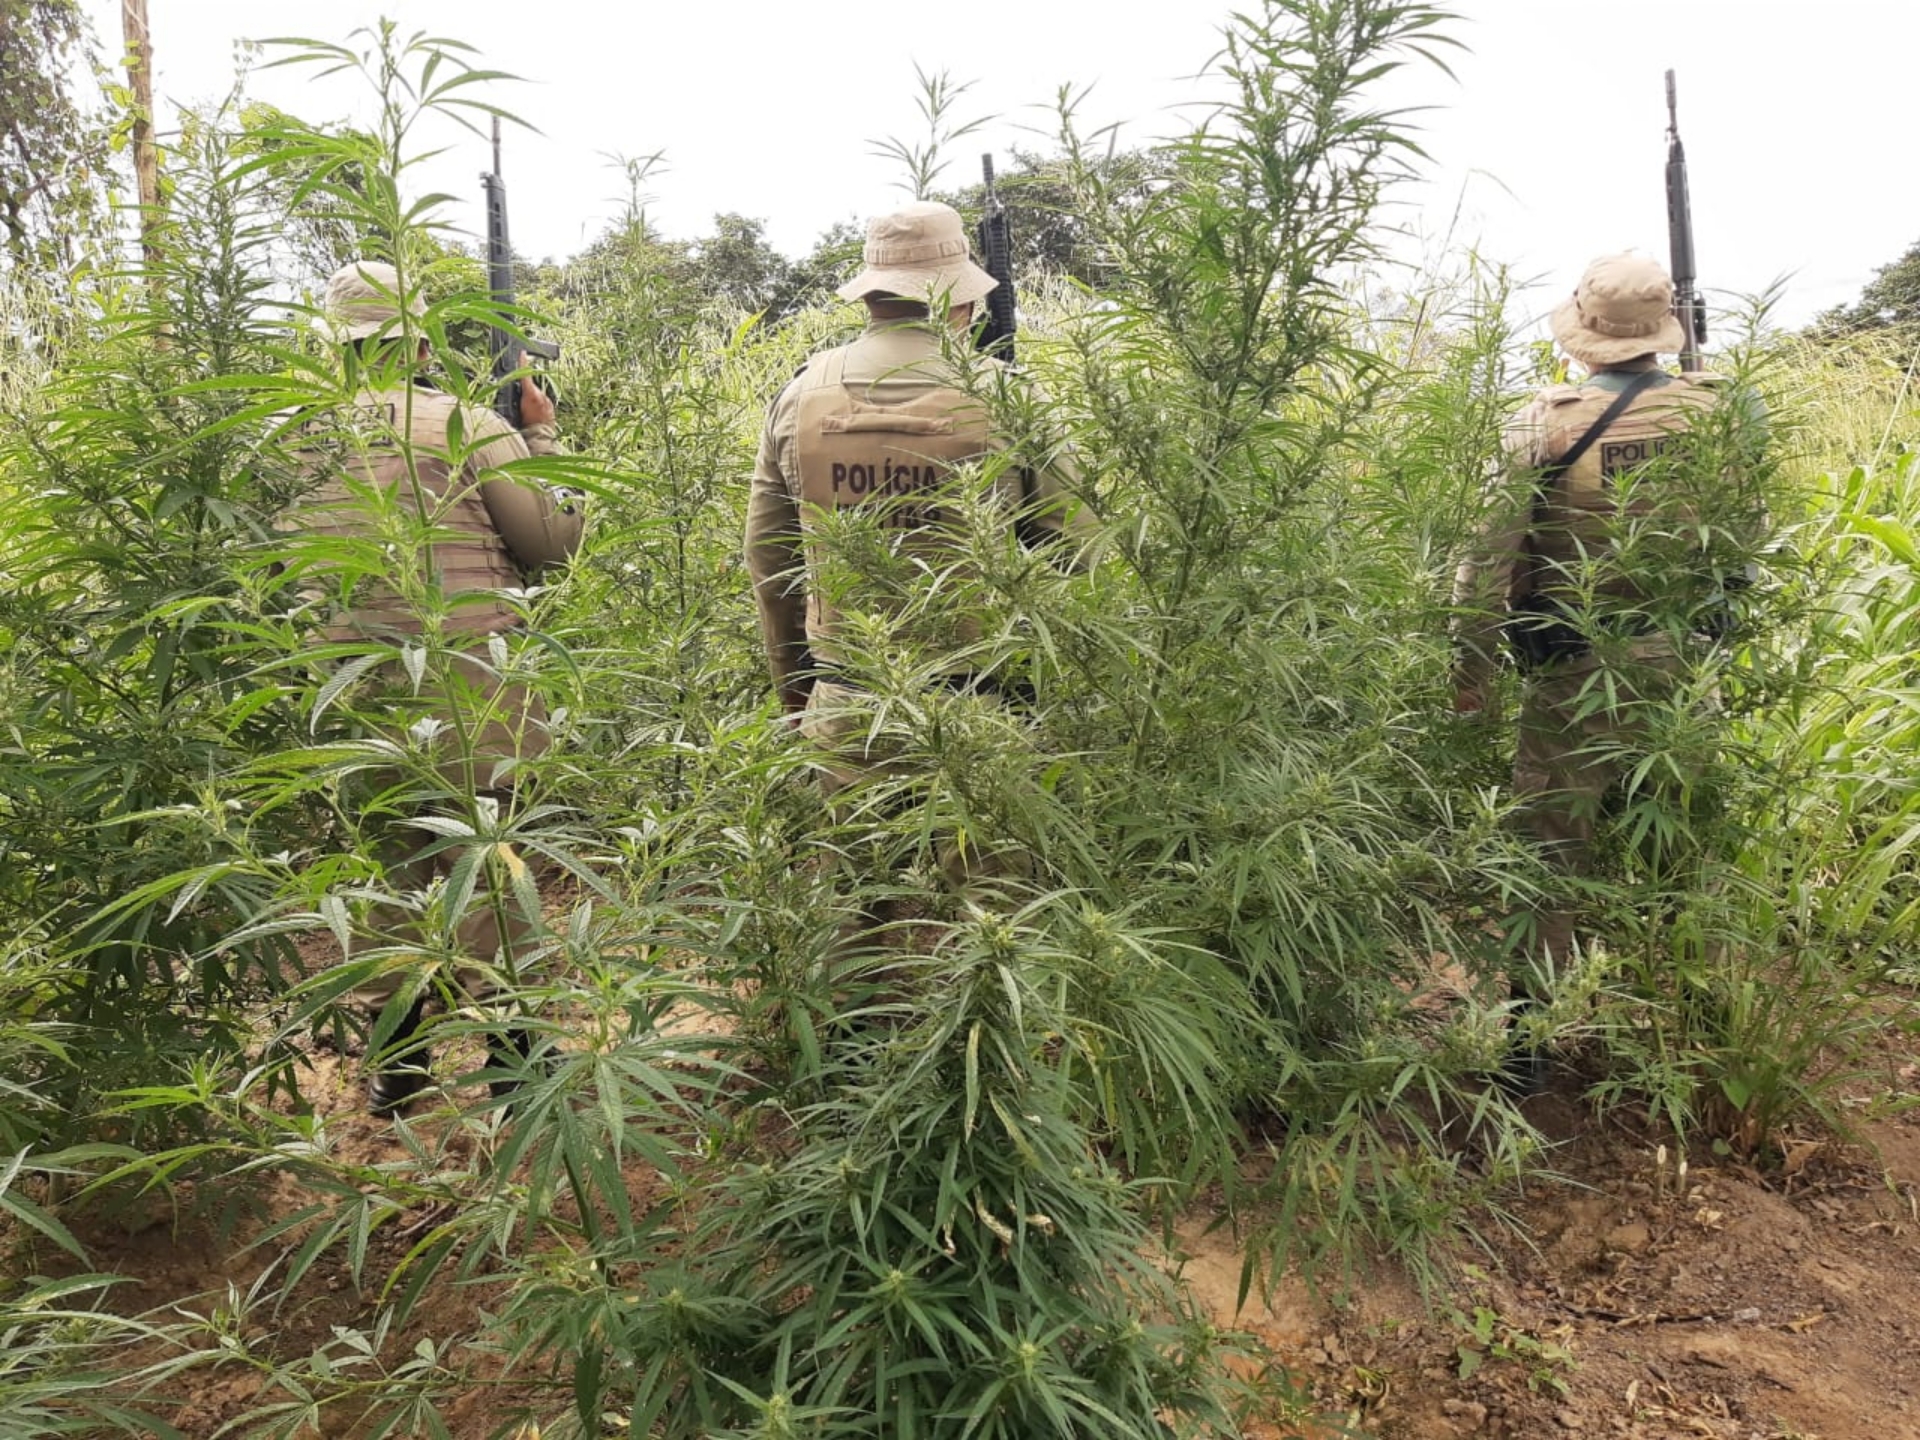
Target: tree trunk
[{"x": 146, "y": 158}]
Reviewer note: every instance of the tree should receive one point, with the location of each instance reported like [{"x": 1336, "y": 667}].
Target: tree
[
  {"x": 316, "y": 239},
  {"x": 835, "y": 258},
  {"x": 736, "y": 266},
  {"x": 52, "y": 155},
  {"x": 1889, "y": 301},
  {"x": 734, "y": 269}
]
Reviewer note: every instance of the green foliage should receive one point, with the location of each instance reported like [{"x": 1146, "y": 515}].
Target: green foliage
[
  {"x": 315, "y": 238},
  {"x": 36, "y": 1061},
  {"x": 127, "y": 691},
  {"x": 1486, "y": 1336},
  {"x": 922, "y": 162},
  {"x": 53, "y": 1380},
  {"x": 1767, "y": 978},
  {"x": 932, "y": 1249},
  {"x": 55, "y": 195},
  {"x": 1856, "y": 721},
  {"x": 1255, "y": 947},
  {"x": 62, "y": 1365},
  {"x": 1889, "y": 301},
  {"x": 738, "y": 268}
]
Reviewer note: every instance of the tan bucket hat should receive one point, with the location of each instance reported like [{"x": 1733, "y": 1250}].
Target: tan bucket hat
[
  {"x": 1622, "y": 308},
  {"x": 363, "y": 299},
  {"x": 918, "y": 252}
]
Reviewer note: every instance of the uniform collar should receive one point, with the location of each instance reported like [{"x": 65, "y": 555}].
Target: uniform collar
[
  {"x": 1631, "y": 367},
  {"x": 877, "y": 325},
  {"x": 1615, "y": 378}
]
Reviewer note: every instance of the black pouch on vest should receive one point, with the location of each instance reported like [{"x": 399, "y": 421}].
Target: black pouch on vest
[{"x": 1539, "y": 633}]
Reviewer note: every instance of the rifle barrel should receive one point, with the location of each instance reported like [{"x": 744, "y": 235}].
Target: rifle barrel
[
  {"x": 996, "y": 257},
  {"x": 503, "y": 345},
  {"x": 1689, "y": 307}
]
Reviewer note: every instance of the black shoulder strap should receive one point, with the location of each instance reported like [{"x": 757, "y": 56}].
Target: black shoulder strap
[
  {"x": 1550, "y": 473},
  {"x": 1594, "y": 431}
]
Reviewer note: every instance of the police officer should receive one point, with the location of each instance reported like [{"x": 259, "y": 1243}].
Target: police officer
[
  {"x": 1568, "y": 565},
  {"x": 878, "y": 427},
  {"x": 437, "y": 460}
]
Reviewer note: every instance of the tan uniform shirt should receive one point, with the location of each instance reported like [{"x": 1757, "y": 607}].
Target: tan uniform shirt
[
  {"x": 877, "y": 423},
  {"x": 1527, "y": 538},
  {"x": 500, "y": 532}
]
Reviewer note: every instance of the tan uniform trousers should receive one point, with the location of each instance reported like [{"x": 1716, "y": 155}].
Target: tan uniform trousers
[
  {"x": 508, "y": 721},
  {"x": 1577, "y": 744},
  {"x": 838, "y": 720}
]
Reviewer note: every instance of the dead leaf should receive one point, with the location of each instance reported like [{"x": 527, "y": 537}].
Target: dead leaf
[{"x": 1799, "y": 1153}]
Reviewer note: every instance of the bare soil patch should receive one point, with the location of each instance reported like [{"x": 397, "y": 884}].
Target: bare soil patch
[{"x": 1714, "y": 1300}]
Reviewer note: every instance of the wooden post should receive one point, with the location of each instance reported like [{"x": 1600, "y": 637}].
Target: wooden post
[{"x": 146, "y": 158}]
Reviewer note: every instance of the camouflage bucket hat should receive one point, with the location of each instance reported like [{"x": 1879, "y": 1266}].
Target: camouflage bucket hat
[
  {"x": 363, "y": 299},
  {"x": 1621, "y": 309},
  {"x": 919, "y": 252}
]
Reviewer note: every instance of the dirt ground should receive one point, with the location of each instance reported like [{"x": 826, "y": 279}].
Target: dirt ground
[
  {"x": 1650, "y": 1299},
  {"x": 194, "y": 1261}
]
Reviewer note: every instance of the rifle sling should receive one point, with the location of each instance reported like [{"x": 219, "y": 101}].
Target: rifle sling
[{"x": 1551, "y": 473}]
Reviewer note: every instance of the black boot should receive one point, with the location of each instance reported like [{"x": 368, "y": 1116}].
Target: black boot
[
  {"x": 1524, "y": 1069},
  {"x": 1523, "y": 1072},
  {"x": 402, "y": 1072}
]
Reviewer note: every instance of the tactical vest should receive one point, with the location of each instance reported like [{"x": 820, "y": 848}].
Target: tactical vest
[
  {"x": 363, "y": 445},
  {"x": 1579, "y": 515},
  {"x": 889, "y": 447}
]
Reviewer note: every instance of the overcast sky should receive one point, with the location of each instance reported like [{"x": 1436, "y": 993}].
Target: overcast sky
[{"x": 1547, "y": 143}]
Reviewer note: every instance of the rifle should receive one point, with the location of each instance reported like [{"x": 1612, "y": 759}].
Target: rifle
[
  {"x": 995, "y": 336},
  {"x": 503, "y": 345},
  {"x": 1689, "y": 306}
]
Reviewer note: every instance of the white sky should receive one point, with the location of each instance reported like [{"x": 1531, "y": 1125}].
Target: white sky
[{"x": 1797, "y": 114}]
